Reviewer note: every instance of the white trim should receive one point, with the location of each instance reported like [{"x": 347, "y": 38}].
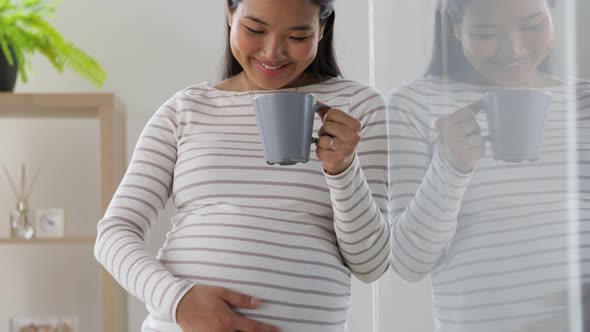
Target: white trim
[
  {"x": 574, "y": 289},
  {"x": 372, "y": 82}
]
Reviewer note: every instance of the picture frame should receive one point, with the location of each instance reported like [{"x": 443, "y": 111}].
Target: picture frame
[
  {"x": 50, "y": 223},
  {"x": 44, "y": 324}
]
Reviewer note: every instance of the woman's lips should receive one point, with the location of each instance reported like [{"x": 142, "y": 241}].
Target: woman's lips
[
  {"x": 512, "y": 63},
  {"x": 271, "y": 69}
]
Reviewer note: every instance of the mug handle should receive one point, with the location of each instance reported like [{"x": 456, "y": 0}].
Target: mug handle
[
  {"x": 319, "y": 107},
  {"x": 476, "y": 107}
]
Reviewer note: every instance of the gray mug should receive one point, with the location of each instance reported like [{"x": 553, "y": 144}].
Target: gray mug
[
  {"x": 516, "y": 121},
  {"x": 285, "y": 121}
]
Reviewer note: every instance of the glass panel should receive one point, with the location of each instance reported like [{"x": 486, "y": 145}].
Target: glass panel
[{"x": 489, "y": 121}]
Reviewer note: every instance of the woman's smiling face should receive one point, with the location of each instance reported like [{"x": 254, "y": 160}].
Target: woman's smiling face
[
  {"x": 506, "y": 40},
  {"x": 275, "y": 41}
]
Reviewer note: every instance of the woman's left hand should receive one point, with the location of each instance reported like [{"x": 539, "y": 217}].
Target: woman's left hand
[{"x": 338, "y": 137}]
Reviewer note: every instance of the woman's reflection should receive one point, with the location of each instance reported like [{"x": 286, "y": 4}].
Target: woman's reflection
[{"x": 494, "y": 235}]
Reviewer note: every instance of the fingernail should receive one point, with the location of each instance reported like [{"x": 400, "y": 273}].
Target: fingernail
[{"x": 255, "y": 301}]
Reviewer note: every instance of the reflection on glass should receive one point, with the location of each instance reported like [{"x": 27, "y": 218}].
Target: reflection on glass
[{"x": 489, "y": 163}]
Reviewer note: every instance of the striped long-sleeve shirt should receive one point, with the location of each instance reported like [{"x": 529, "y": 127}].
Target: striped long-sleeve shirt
[
  {"x": 495, "y": 241},
  {"x": 289, "y": 235}
]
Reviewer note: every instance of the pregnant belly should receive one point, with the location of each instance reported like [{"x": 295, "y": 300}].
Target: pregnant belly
[{"x": 296, "y": 271}]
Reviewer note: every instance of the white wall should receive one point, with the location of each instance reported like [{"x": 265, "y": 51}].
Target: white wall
[{"x": 403, "y": 32}]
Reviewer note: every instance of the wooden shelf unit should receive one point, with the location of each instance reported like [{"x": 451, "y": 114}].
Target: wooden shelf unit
[
  {"x": 111, "y": 114},
  {"x": 57, "y": 241}
]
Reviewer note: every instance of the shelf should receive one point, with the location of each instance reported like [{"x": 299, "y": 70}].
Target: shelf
[
  {"x": 65, "y": 240},
  {"x": 57, "y": 104},
  {"x": 111, "y": 115}
]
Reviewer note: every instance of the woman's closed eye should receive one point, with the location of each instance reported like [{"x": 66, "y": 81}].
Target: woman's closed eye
[
  {"x": 484, "y": 36},
  {"x": 534, "y": 26},
  {"x": 300, "y": 39},
  {"x": 260, "y": 32},
  {"x": 254, "y": 31}
]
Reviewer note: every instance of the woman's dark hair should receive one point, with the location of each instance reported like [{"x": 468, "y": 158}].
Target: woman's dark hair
[
  {"x": 324, "y": 63},
  {"x": 447, "y": 56}
]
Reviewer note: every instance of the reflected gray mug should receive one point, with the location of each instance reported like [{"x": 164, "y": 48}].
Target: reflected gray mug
[
  {"x": 285, "y": 121},
  {"x": 516, "y": 121}
]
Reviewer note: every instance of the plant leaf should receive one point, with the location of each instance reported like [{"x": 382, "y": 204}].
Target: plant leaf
[{"x": 25, "y": 30}]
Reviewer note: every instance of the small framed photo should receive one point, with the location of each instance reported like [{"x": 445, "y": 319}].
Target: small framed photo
[
  {"x": 50, "y": 223},
  {"x": 44, "y": 324}
]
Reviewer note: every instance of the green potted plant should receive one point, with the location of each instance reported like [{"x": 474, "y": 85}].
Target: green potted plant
[{"x": 24, "y": 30}]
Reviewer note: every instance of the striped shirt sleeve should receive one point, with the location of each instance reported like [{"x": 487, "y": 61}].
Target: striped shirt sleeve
[
  {"x": 426, "y": 191},
  {"x": 359, "y": 194},
  {"x": 141, "y": 196}
]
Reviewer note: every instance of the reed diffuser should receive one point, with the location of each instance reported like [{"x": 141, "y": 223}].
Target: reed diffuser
[{"x": 21, "y": 218}]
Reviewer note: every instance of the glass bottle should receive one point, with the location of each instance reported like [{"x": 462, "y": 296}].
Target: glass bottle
[{"x": 21, "y": 222}]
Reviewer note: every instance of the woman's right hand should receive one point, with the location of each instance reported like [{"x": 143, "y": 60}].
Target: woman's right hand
[
  {"x": 208, "y": 309},
  {"x": 459, "y": 138}
]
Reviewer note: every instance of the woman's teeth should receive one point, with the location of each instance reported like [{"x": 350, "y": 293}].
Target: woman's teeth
[{"x": 269, "y": 67}]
